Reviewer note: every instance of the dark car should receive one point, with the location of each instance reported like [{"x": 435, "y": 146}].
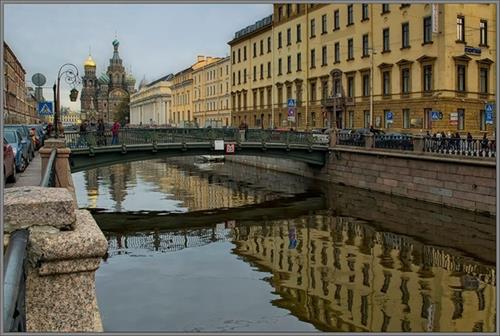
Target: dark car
[
  {"x": 19, "y": 147},
  {"x": 25, "y": 133},
  {"x": 9, "y": 163}
]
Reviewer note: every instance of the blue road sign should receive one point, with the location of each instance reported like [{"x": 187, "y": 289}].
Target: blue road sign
[
  {"x": 435, "y": 115},
  {"x": 45, "y": 108},
  {"x": 388, "y": 116},
  {"x": 489, "y": 113},
  {"x": 291, "y": 102}
]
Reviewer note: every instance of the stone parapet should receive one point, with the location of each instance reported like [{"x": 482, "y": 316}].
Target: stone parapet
[{"x": 64, "y": 250}]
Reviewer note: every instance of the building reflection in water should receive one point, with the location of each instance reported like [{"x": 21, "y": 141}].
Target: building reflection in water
[
  {"x": 340, "y": 274},
  {"x": 345, "y": 276}
]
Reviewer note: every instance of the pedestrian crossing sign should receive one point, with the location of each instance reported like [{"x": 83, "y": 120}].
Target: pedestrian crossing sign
[{"x": 45, "y": 108}]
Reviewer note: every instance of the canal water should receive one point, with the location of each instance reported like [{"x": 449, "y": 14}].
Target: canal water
[{"x": 197, "y": 247}]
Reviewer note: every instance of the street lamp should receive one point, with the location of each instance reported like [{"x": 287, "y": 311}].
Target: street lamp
[{"x": 69, "y": 72}]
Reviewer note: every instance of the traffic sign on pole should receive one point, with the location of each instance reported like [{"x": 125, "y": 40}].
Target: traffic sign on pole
[
  {"x": 489, "y": 113},
  {"x": 291, "y": 102},
  {"x": 291, "y": 114},
  {"x": 45, "y": 108}
]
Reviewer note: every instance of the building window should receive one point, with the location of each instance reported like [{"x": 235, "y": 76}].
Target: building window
[
  {"x": 299, "y": 62},
  {"x": 366, "y": 85},
  {"x": 255, "y": 49},
  {"x": 262, "y": 71},
  {"x": 405, "y": 35},
  {"x": 299, "y": 35},
  {"x": 483, "y": 80},
  {"x": 406, "y": 118},
  {"x": 244, "y": 54},
  {"x": 234, "y": 56},
  {"x": 461, "y": 119},
  {"x": 461, "y": 77},
  {"x": 239, "y": 77},
  {"x": 482, "y": 120},
  {"x": 350, "y": 15},
  {"x": 427, "y": 29},
  {"x": 268, "y": 69},
  {"x": 460, "y": 29},
  {"x": 313, "y": 58},
  {"x": 239, "y": 55},
  {"x": 351, "y": 120},
  {"x": 427, "y": 78},
  {"x": 405, "y": 80},
  {"x": 364, "y": 12},
  {"x": 386, "y": 44},
  {"x": 269, "y": 44},
  {"x": 336, "y": 19},
  {"x": 280, "y": 13},
  {"x": 289, "y": 64},
  {"x": 254, "y": 73},
  {"x": 298, "y": 8},
  {"x": 365, "y": 45},
  {"x": 279, "y": 67},
  {"x": 244, "y": 76},
  {"x": 323, "y": 56},
  {"x": 279, "y": 40},
  {"x": 313, "y": 28},
  {"x": 323, "y": 24},
  {"x": 288, "y": 10},
  {"x": 350, "y": 49},
  {"x": 262, "y": 47},
  {"x": 385, "y": 8},
  {"x": 324, "y": 90},
  {"x": 350, "y": 87},
  {"x": 313, "y": 91},
  {"x": 366, "y": 118},
  {"x": 288, "y": 36},
  {"x": 386, "y": 83},
  {"x": 483, "y": 33},
  {"x": 337, "y": 52}
]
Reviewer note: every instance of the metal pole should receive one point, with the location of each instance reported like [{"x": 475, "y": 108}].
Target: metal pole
[
  {"x": 371, "y": 66},
  {"x": 272, "y": 76},
  {"x": 307, "y": 68},
  {"x": 55, "y": 115}
]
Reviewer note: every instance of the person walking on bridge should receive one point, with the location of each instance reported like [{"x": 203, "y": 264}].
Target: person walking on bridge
[
  {"x": 114, "y": 130},
  {"x": 101, "y": 138}
]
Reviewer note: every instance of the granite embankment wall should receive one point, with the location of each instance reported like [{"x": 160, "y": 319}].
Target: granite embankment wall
[{"x": 465, "y": 183}]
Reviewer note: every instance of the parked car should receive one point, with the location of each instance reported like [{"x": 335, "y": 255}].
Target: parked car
[
  {"x": 25, "y": 133},
  {"x": 19, "y": 147},
  {"x": 9, "y": 163}
]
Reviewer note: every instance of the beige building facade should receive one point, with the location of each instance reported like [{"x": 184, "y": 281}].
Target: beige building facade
[
  {"x": 211, "y": 88},
  {"x": 431, "y": 67},
  {"x": 152, "y": 104},
  {"x": 18, "y": 105}
]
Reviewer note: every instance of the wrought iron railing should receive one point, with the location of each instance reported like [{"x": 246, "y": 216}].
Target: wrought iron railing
[
  {"x": 14, "y": 286},
  {"x": 463, "y": 147},
  {"x": 402, "y": 142},
  {"x": 351, "y": 139},
  {"x": 133, "y": 136}
]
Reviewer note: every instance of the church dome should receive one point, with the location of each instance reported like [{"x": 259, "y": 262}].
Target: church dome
[
  {"x": 130, "y": 79},
  {"x": 103, "y": 79},
  {"x": 143, "y": 83},
  {"x": 89, "y": 62}
]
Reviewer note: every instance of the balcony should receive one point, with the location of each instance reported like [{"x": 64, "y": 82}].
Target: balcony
[
  {"x": 331, "y": 101},
  {"x": 350, "y": 101}
]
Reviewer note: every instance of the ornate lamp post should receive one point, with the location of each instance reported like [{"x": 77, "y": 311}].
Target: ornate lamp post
[{"x": 69, "y": 72}]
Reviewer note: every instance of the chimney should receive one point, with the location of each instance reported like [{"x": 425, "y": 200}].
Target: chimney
[{"x": 200, "y": 58}]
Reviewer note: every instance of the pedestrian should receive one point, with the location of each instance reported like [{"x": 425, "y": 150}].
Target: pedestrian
[
  {"x": 458, "y": 141},
  {"x": 484, "y": 143},
  {"x": 114, "y": 130},
  {"x": 82, "y": 140},
  {"x": 101, "y": 138}
]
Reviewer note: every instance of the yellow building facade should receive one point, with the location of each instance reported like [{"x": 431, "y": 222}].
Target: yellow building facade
[
  {"x": 182, "y": 92},
  {"x": 402, "y": 67},
  {"x": 211, "y": 87}
]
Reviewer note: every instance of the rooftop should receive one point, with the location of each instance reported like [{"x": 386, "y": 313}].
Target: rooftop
[{"x": 265, "y": 22}]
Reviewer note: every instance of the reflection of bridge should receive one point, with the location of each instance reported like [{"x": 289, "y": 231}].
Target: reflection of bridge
[
  {"x": 168, "y": 241},
  {"x": 91, "y": 150}
]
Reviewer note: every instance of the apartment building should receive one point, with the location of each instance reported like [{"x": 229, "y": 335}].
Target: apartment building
[
  {"x": 211, "y": 88},
  {"x": 402, "y": 67},
  {"x": 152, "y": 104}
]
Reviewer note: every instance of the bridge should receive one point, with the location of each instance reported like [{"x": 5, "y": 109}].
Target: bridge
[{"x": 92, "y": 150}]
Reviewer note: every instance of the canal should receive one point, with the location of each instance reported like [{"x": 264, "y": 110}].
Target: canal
[{"x": 225, "y": 247}]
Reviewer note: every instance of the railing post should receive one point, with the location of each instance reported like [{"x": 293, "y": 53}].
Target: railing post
[
  {"x": 369, "y": 141},
  {"x": 333, "y": 137},
  {"x": 418, "y": 143}
]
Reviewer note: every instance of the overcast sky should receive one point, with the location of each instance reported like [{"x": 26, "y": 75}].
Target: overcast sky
[{"x": 154, "y": 39}]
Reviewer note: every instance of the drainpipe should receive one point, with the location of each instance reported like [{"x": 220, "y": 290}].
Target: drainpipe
[
  {"x": 371, "y": 66},
  {"x": 272, "y": 74},
  {"x": 307, "y": 67}
]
